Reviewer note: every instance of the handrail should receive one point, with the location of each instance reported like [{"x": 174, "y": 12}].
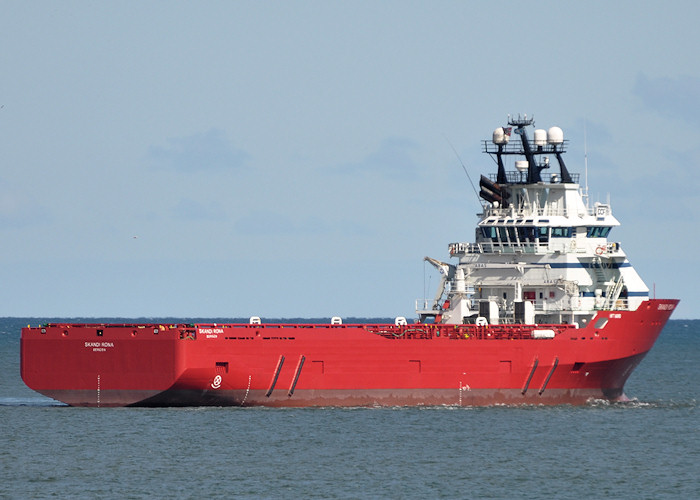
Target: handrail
[
  {"x": 517, "y": 177},
  {"x": 548, "y": 211},
  {"x": 462, "y": 332},
  {"x": 492, "y": 247}
]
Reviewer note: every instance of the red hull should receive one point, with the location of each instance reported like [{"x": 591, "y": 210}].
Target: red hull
[{"x": 338, "y": 365}]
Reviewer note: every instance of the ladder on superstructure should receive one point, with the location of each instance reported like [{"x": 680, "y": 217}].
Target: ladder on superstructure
[
  {"x": 612, "y": 294},
  {"x": 613, "y": 287}
]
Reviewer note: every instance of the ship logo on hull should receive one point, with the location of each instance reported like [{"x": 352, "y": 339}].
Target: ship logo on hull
[{"x": 216, "y": 383}]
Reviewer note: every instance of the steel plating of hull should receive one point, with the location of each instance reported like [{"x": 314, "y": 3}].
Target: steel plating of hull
[{"x": 339, "y": 365}]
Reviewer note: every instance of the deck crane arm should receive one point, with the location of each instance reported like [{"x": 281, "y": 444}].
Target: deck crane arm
[{"x": 447, "y": 272}]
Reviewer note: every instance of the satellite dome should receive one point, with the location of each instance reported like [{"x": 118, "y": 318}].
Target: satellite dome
[
  {"x": 540, "y": 137},
  {"x": 555, "y": 135},
  {"x": 500, "y": 137}
]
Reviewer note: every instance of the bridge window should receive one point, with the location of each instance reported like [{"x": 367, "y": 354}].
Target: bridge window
[
  {"x": 526, "y": 234},
  {"x": 489, "y": 232},
  {"x": 598, "y": 231},
  {"x": 562, "y": 232}
]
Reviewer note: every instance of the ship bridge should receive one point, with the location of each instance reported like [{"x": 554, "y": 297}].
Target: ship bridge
[{"x": 541, "y": 252}]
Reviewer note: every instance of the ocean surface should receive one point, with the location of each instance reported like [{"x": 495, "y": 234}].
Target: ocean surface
[{"x": 648, "y": 448}]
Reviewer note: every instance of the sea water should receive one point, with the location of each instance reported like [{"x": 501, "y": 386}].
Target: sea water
[{"x": 648, "y": 448}]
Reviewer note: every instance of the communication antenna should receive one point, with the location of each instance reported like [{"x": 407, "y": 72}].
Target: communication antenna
[
  {"x": 463, "y": 168},
  {"x": 585, "y": 162}
]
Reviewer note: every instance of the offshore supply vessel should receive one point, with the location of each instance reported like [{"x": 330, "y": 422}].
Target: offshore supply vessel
[{"x": 541, "y": 308}]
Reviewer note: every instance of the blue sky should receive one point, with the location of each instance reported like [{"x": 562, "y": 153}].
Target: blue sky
[{"x": 293, "y": 159}]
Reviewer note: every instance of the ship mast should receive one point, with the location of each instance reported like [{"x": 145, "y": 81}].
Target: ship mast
[{"x": 544, "y": 143}]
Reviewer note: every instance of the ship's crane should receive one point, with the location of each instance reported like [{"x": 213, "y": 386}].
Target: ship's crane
[{"x": 447, "y": 273}]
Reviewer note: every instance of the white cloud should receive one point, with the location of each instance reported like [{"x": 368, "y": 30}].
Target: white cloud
[
  {"x": 199, "y": 152},
  {"x": 17, "y": 211},
  {"x": 392, "y": 159},
  {"x": 267, "y": 222},
  {"x": 677, "y": 98},
  {"x": 196, "y": 210}
]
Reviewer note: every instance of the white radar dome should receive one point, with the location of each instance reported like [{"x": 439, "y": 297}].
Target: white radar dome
[
  {"x": 521, "y": 165},
  {"x": 555, "y": 135},
  {"x": 540, "y": 137},
  {"x": 499, "y": 136}
]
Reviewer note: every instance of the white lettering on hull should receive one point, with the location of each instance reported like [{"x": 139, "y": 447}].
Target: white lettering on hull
[
  {"x": 99, "y": 346},
  {"x": 210, "y": 333}
]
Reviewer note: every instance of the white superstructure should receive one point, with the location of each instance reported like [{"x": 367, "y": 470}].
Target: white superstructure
[{"x": 541, "y": 254}]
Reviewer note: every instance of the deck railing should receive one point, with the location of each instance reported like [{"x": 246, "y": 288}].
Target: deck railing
[
  {"x": 548, "y": 211},
  {"x": 462, "y": 332}
]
